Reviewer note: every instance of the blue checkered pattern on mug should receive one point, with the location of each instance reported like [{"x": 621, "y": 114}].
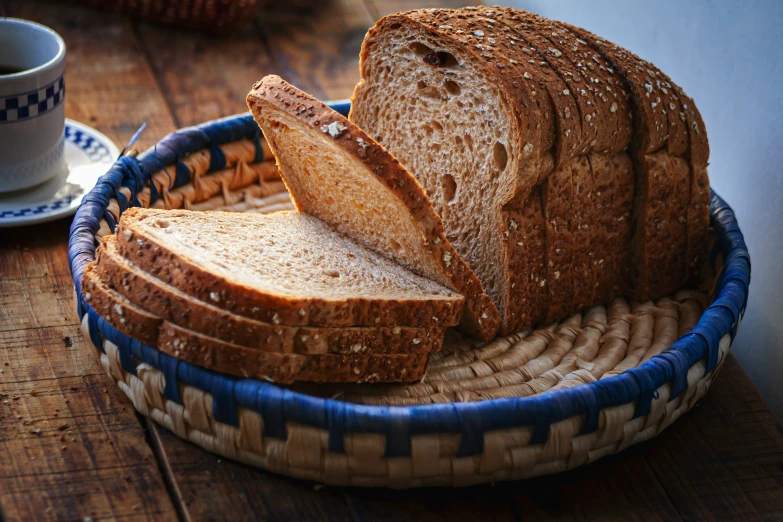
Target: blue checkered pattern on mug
[{"x": 32, "y": 104}]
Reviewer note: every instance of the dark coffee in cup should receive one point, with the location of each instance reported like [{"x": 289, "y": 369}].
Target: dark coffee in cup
[{"x": 4, "y": 70}]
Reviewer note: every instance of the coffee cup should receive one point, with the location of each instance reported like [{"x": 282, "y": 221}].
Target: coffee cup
[{"x": 32, "y": 108}]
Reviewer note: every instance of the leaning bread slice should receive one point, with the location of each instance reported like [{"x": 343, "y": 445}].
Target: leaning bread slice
[
  {"x": 217, "y": 355},
  {"x": 285, "y": 268},
  {"x": 339, "y": 174},
  {"x": 174, "y": 305}
]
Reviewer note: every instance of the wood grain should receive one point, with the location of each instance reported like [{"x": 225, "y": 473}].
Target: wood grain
[
  {"x": 205, "y": 77},
  {"x": 109, "y": 83},
  {"x": 71, "y": 445},
  {"x": 214, "y": 488},
  {"x": 315, "y": 45},
  {"x": 724, "y": 460}
]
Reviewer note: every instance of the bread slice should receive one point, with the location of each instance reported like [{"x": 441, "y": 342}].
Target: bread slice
[
  {"x": 170, "y": 303},
  {"x": 584, "y": 236},
  {"x": 613, "y": 186},
  {"x": 526, "y": 237},
  {"x": 284, "y": 268},
  {"x": 558, "y": 200},
  {"x": 449, "y": 115},
  {"x": 339, "y": 174},
  {"x": 217, "y": 355}
]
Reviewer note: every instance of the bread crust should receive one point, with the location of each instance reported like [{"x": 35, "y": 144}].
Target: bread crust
[
  {"x": 480, "y": 316},
  {"x": 174, "y": 269},
  {"x": 501, "y": 43},
  {"x": 243, "y": 361},
  {"x": 286, "y": 368},
  {"x": 613, "y": 186},
  {"x": 585, "y": 236},
  {"x": 651, "y": 125},
  {"x": 558, "y": 200},
  {"x": 667, "y": 118}
]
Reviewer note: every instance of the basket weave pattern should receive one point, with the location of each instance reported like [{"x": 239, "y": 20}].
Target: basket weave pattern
[{"x": 535, "y": 402}]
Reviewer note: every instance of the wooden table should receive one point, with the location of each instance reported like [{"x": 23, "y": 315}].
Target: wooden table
[{"x": 71, "y": 444}]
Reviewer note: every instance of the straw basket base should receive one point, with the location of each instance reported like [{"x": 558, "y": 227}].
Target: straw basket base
[{"x": 600, "y": 344}]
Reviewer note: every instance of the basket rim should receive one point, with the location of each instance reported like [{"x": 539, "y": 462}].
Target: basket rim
[{"x": 279, "y": 405}]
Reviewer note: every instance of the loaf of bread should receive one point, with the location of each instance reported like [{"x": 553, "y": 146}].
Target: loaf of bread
[
  {"x": 339, "y": 174},
  {"x": 566, "y": 169}
]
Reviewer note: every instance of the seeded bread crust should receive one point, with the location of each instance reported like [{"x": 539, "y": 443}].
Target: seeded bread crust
[
  {"x": 501, "y": 43},
  {"x": 699, "y": 203},
  {"x": 666, "y": 117},
  {"x": 169, "y": 303},
  {"x": 585, "y": 236},
  {"x": 590, "y": 82},
  {"x": 558, "y": 58},
  {"x": 613, "y": 186},
  {"x": 698, "y": 214},
  {"x": 593, "y": 64},
  {"x": 286, "y": 368},
  {"x": 176, "y": 270},
  {"x": 651, "y": 125},
  {"x": 229, "y": 358},
  {"x": 480, "y": 316},
  {"x": 118, "y": 311},
  {"x": 526, "y": 241},
  {"x": 558, "y": 199}
]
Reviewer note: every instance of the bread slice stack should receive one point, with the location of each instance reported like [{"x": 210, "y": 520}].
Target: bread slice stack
[{"x": 281, "y": 297}]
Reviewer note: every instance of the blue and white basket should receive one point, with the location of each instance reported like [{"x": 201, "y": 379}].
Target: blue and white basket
[{"x": 482, "y": 414}]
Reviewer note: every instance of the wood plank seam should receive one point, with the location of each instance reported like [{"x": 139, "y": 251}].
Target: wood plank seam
[
  {"x": 142, "y": 43},
  {"x": 152, "y": 438},
  {"x": 73, "y": 325},
  {"x": 661, "y": 485}
]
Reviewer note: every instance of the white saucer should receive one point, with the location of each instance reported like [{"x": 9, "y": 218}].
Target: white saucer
[{"x": 88, "y": 155}]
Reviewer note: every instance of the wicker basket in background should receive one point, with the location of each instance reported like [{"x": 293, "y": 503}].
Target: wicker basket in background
[{"x": 210, "y": 15}]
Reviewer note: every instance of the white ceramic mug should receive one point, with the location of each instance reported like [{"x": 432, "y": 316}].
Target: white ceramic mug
[{"x": 32, "y": 108}]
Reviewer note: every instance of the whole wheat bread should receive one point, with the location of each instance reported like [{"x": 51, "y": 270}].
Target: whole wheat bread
[
  {"x": 232, "y": 359},
  {"x": 285, "y": 268},
  {"x": 170, "y": 303},
  {"x": 441, "y": 89},
  {"x": 339, "y": 174}
]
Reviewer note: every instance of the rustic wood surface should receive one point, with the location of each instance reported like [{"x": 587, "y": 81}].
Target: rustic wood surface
[{"x": 71, "y": 445}]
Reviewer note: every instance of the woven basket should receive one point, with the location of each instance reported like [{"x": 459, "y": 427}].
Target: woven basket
[
  {"x": 209, "y": 15},
  {"x": 532, "y": 403}
]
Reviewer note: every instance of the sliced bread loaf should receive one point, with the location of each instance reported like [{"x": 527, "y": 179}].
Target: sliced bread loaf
[
  {"x": 285, "y": 268},
  {"x": 217, "y": 355},
  {"x": 339, "y": 174},
  {"x": 182, "y": 309},
  {"x": 439, "y": 89}
]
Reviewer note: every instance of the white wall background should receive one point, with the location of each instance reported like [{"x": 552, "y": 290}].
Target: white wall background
[{"x": 728, "y": 56}]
